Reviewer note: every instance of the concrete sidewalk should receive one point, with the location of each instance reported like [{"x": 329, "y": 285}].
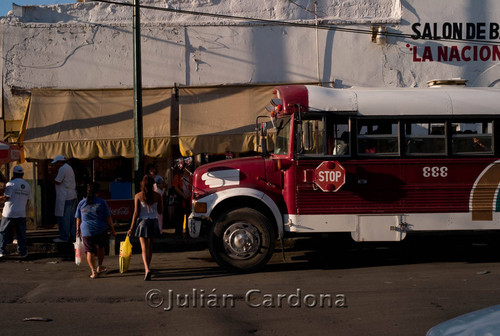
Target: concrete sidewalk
[{"x": 40, "y": 242}]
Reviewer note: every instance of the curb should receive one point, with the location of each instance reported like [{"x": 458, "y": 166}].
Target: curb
[{"x": 40, "y": 242}]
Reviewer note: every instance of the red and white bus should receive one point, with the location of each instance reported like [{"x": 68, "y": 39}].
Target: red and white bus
[{"x": 377, "y": 163}]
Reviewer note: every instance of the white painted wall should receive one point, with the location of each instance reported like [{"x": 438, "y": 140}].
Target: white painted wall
[{"x": 89, "y": 45}]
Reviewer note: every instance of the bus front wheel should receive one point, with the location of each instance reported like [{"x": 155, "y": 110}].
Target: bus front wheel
[{"x": 242, "y": 240}]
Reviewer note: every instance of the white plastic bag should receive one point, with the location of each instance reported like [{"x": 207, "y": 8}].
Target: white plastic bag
[{"x": 79, "y": 250}]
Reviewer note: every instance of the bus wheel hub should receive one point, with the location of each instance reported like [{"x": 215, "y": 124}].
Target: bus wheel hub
[{"x": 241, "y": 240}]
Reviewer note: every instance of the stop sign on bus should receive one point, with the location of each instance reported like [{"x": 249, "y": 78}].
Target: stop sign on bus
[{"x": 329, "y": 176}]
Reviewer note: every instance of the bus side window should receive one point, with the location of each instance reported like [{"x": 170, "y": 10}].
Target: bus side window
[
  {"x": 378, "y": 137},
  {"x": 338, "y": 139},
  {"x": 472, "y": 138},
  {"x": 425, "y": 138}
]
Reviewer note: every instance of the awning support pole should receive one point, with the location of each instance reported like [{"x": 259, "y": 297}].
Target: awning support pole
[
  {"x": 138, "y": 134},
  {"x": 35, "y": 192}
]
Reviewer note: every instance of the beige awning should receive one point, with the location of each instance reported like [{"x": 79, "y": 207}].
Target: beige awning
[
  {"x": 87, "y": 124},
  {"x": 220, "y": 119}
]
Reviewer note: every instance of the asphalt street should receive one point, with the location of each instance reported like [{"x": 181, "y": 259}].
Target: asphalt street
[{"x": 376, "y": 289}]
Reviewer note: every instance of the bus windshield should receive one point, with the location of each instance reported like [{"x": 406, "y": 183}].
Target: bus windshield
[{"x": 279, "y": 135}]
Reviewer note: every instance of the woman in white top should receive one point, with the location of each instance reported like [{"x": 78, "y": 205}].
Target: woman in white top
[
  {"x": 148, "y": 206},
  {"x": 159, "y": 187}
]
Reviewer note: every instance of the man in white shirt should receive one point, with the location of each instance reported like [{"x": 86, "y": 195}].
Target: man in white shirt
[
  {"x": 65, "y": 199},
  {"x": 16, "y": 197}
]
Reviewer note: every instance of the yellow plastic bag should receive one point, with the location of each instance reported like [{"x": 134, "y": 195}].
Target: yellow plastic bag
[{"x": 125, "y": 254}]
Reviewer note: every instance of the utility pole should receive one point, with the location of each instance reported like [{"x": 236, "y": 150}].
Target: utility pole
[{"x": 138, "y": 134}]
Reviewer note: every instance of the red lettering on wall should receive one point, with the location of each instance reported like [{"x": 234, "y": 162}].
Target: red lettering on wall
[
  {"x": 456, "y": 53},
  {"x": 427, "y": 56}
]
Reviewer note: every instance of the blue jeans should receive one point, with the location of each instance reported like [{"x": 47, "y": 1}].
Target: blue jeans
[
  {"x": 5, "y": 231},
  {"x": 66, "y": 222}
]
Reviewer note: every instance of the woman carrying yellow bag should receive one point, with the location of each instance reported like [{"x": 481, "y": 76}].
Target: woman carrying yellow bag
[{"x": 147, "y": 207}]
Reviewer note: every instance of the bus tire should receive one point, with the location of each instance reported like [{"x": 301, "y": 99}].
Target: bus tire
[{"x": 242, "y": 240}]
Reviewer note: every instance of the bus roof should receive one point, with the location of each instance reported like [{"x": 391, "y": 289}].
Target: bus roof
[{"x": 393, "y": 101}]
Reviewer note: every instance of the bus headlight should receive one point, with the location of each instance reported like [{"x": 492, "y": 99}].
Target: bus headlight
[{"x": 200, "y": 207}]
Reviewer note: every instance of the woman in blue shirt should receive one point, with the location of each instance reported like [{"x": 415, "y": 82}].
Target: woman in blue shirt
[{"x": 93, "y": 219}]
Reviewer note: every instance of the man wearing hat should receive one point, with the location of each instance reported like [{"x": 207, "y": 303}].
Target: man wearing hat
[
  {"x": 65, "y": 199},
  {"x": 16, "y": 197}
]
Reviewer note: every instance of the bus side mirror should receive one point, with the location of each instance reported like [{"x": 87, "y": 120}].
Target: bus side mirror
[
  {"x": 307, "y": 136},
  {"x": 263, "y": 138},
  {"x": 263, "y": 129}
]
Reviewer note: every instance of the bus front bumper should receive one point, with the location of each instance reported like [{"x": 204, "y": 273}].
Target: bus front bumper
[{"x": 194, "y": 226}]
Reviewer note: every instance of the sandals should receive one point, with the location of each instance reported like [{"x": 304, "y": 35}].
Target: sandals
[
  {"x": 101, "y": 269},
  {"x": 96, "y": 272}
]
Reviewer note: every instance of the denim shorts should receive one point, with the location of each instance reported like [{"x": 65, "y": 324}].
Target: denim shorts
[{"x": 147, "y": 228}]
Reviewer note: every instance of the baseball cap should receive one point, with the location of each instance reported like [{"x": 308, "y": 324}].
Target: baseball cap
[
  {"x": 58, "y": 158},
  {"x": 18, "y": 170}
]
